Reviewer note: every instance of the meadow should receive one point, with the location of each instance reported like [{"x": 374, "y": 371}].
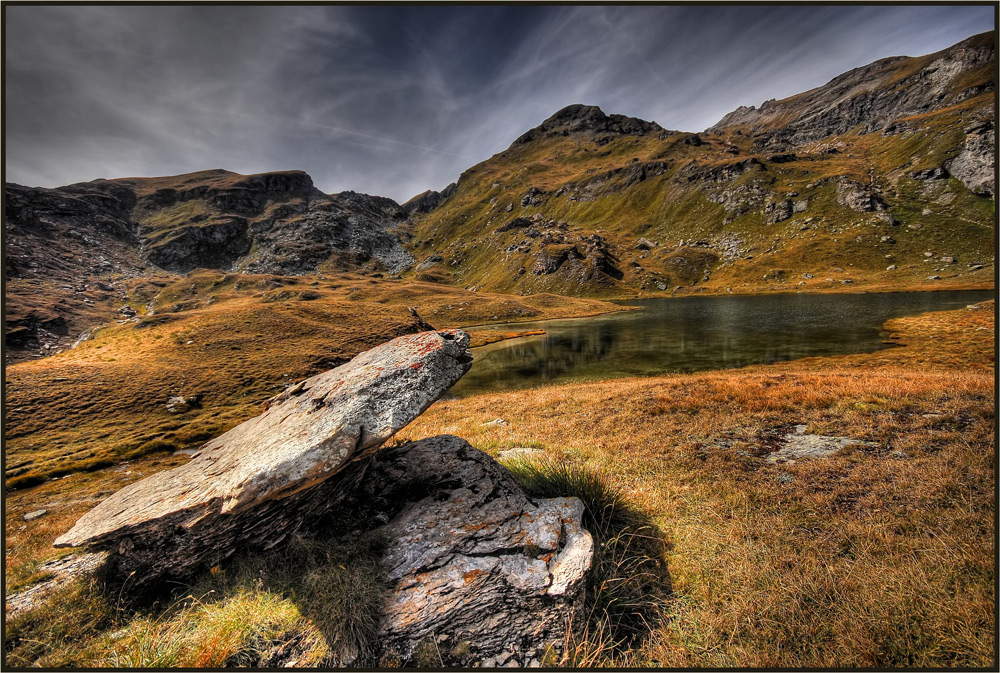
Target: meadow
[{"x": 709, "y": 555}]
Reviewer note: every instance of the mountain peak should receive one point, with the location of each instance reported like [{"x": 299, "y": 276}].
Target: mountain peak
[{"x": 587, "y": 119}]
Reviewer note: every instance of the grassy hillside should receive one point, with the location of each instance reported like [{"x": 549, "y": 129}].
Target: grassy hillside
[{"x": 756, "y": 207}]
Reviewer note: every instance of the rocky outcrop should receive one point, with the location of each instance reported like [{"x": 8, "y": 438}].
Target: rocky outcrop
[
  {"x": 350, "y": 229},
  {"x": 797, "y": 445},
  {"x": 256, "y": 484},
  {"x": 588, "y": 120},
  {"x": 610, "y": 182},
  {"x": 470, "y": 559},
  {"x": 59, "y": 574},
  {"x": 428, "y": 201},
  {"x": 974, "y": 164},
  {"x": 858, "y": 197},
  {"x": 271, "y": 222}
]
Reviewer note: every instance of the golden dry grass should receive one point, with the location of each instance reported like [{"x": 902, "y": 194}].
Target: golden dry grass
[
  {"x": 875, "y": 557},
  {"x": 871, "y": 558},
  {"x": 235, "y": 340}
]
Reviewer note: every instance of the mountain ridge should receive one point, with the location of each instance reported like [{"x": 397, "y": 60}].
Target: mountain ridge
[
  {"x": 577, "y": 208},
  {"x": 825, "y": 188}
]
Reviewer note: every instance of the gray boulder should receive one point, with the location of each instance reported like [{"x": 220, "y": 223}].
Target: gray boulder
[
  {"x": 256, "y": 484},
  {"x": 472, "y": 562}
]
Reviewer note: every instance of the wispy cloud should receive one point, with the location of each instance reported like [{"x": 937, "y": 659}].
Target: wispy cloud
[{"x": 397, "y": 99}]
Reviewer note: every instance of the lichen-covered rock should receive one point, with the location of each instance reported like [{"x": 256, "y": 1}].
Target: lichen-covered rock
[
  {"x": 474, "y": 564},
  {"x": 257, "y": 483}
]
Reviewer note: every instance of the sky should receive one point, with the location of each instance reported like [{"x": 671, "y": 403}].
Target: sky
[{"x": 395, "y": 100}]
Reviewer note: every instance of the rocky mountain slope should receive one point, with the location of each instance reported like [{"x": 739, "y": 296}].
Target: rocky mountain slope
[
  {"x": 882, "y": 178},
  {"x": 69, "y": 250}
]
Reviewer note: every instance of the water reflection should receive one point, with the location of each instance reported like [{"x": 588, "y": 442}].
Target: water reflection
[{"x": 697, "y": 333}]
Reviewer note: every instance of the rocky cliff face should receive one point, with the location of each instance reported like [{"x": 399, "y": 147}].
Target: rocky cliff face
[
  {"x": 850, "y": 183},
  {"x": 277, "y": 222},
  {"x": 69, "y": 249}
]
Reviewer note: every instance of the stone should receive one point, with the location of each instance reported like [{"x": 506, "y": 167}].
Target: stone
[
  {"x": 974, "y": 165},
  {"x": 469, "y": 556},
  {"x": 31, "y": 516},
  {"x": 60, "y": 572},
  {"x": 180, "y": 404},
  {"x": 519, "y": 452},
  {"x": 258, "y": 483},
  {"x": 644, "y": 244},
  {"x": 891, "y": 267},
  {"x": 797, "y": 444},
  {"x": 933, "y": 277},
  {"x": 858, "y": 197}
]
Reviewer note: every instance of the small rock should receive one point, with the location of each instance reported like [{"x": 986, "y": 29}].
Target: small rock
[
  {"x": 933, "y": 277},
  {"x": 798, "y": 445},
  {"x": 948, "y": 260},
  {"x": 785, "y": 478},
  {"x": 519, "y": 452},
  {"x": 928, "y": 254},
  {"x": 891, "y": 267},
  {"x": 31, "y": 516},
  {"x": 494, "y": 423}
]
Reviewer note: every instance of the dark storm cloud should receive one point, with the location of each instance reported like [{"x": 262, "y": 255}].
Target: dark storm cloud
[{"x": 393, "y": 100}]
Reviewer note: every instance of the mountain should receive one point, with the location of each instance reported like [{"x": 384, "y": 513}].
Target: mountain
[
  {"x": 881, "y": 179},
  {"x": 857, "y": 180},
  {"x": 69, "y": 250}
]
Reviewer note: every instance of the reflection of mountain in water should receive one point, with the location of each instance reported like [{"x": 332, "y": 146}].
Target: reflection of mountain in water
[{"x": 696, "y": 334}]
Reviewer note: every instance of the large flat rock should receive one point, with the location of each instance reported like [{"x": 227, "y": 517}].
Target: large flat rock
[{"x": 258, "y": 482}]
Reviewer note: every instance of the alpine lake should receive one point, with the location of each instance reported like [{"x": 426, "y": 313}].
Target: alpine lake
[{"x": 689, "y": 334}]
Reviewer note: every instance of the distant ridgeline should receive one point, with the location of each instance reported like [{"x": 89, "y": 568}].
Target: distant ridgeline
[{"x": 882, "y": 178}]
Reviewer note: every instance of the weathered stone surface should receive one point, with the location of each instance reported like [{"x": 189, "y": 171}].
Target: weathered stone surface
[
  {"x": 798, "y": 445},
  {"x": 38, "y": 513},
  {"x": 61, "y": 572},
  {"x": 470, "y": 558},
  {"x": 974, "y": 164},
  {"x": 255, "y": 484}
]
